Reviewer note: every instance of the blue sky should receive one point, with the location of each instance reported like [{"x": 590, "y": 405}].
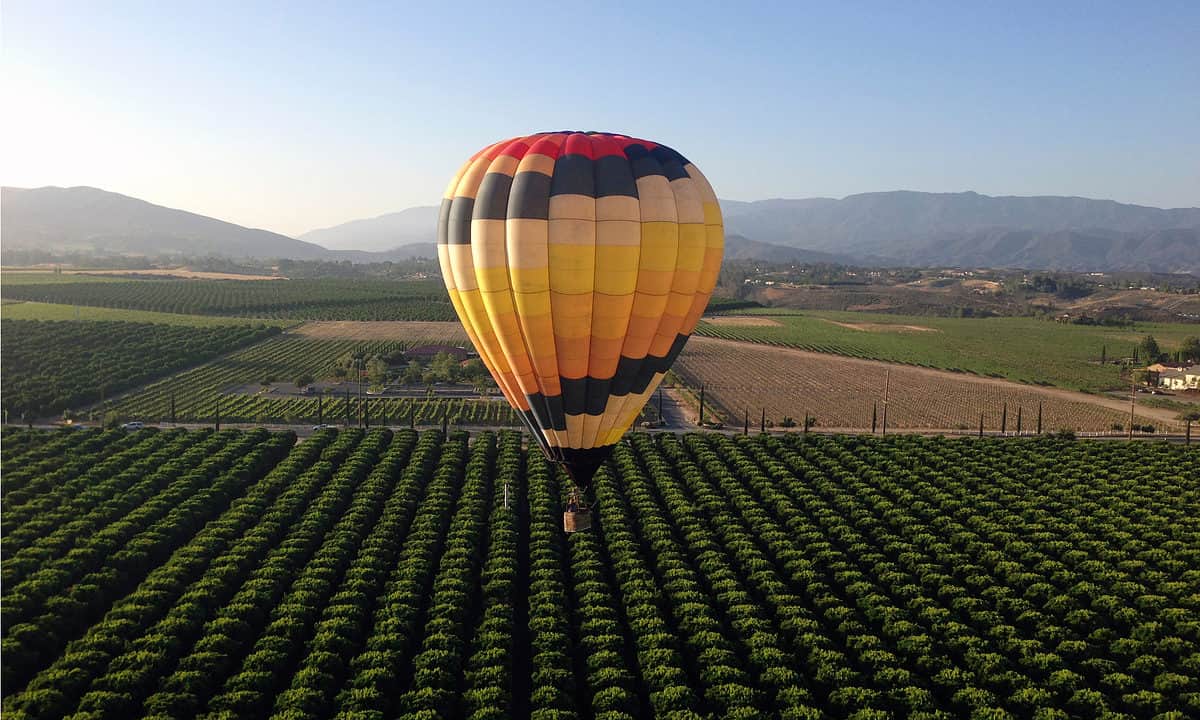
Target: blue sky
[{"x": 293, "y": 116}]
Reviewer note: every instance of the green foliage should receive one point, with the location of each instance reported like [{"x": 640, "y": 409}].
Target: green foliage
[
  {"x": 377, "y": 574},
  {"x": 50, "y": 367},
  {"x": 327, "y": 299},
  {"x": 240, "y": 385}
]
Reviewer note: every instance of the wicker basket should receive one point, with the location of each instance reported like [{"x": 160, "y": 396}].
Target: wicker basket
[{"x": 577, "y": 520}]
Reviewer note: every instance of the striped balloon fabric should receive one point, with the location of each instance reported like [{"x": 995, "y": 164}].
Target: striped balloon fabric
[{"x": 579, "y": 264}]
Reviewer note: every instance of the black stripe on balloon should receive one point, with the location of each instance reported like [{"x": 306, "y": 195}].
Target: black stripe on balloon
[
  {"x": 574, "y": 394},
  {"x": 458, "y": 227},
  {"x": 443, "y": 233},
  {"x": 530, "y": 196},
  {"x": 573, "y": 175},
  {"x": 491, "y": 202},
  {"x": 626, "y": 373},
  {"x": 652, "y": 365},
  {"x": 642, "y": 163},
  {"x": 585, "y": 396},
  {"x": 590, "y": 396},
  {"x": 614, "y": 177},
  {"x": 547, "y": 411},
  {"x": 671, "y": 161}
]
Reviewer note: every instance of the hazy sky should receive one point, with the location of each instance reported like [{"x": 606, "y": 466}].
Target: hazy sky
[{"x": 293, "y": 116}]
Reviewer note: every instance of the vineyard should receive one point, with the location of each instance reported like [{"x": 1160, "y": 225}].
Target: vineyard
[
  {"x": 1026, "y": 350},
  {"x": 848, "y": 393},
  {"x": 52, "y": 366},
  {"x": 193, "y": 574},
  {"x": 214, "y": 391},
  {"x": 271, "y": 299}
]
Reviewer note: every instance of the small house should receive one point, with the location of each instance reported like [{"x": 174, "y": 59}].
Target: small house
[{"x": 1187, "y": 378}]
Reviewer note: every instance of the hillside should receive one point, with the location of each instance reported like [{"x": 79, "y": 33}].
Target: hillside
[
  {"x": 897, "y": 228},
  {"x": 969, "y": 229},
  {"x": 88, "y": 219},
  {"x": 383, "y": 233}
]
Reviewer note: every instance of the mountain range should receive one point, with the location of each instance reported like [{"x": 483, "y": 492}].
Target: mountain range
[{"x": 899, "y": 227}]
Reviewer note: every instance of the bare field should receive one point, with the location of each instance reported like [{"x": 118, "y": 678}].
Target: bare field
[
  {"x": 410, "y": 330},
  {"x": 839, "y": 392},
  {"x": 882, "y": 327},
  {"x": 177, "y": 273},
  {"x": 741, "y": 321}
]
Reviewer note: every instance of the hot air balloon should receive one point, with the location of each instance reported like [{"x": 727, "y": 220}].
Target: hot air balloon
[{"x": 579, "y": 263}]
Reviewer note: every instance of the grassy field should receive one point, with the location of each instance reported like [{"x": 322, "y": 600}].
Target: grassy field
[
  {"x": 50, "y": 366},
  {"x": 47, "y": 277},
  {"x": 21, "y": 310},
  {"x": 323, "y": 299},
  {"x": 1022, "y": 349},
  {"x": 192, "y": 574}
]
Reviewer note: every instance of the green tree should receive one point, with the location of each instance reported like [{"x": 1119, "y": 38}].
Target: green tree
[
  {"x": 444, "y": 367},
  {"x": 1189, "y": 351},
  {"x": 377, "y": 369},
  {"x": 1150, "y": 351},
  {"x": 412, "y": 373},
  {"x": 303, "y": 380}
]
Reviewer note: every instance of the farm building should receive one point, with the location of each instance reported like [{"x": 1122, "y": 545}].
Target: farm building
[
  {"x": 428, "y": 352},
  {"x": 1187, "y": 378}
]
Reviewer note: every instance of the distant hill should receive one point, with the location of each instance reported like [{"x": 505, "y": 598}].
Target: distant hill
[
  {"x": 740, "y": 247},
  {"x": 969, "y": 229},
  {"x": 900, "y": 228},
  {"x": 93, "y": 220},
  {"x": 383, "y": 233}
]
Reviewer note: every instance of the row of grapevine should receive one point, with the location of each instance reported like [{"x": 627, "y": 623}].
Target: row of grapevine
[
  {"x": 377, "y": 574},
  {"x": 29, "y": 480},
  {"x": 260, "y": 564},
  {"x": 377, "y": 670},
  {"x": 330, "y": 615},
  {"x": 323, "y": 299},
  {"x": 51, "y": 366},
  {"x": 229, "y": 388}
]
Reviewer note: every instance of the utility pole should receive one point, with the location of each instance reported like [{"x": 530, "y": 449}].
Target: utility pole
[
  {"x": 980, "y": 424},
  {"x": 701, "y": 421},
  {"x": 1018, "y": 420},
  {"x": 321, "y": 409},
  {"x": 1039, "y": 428},
  {"x": 660, "y": 404},
  {"x": 874, "y": 415},
  {"x": 172, "y": 407},
  {"x": 218, "y": 414},
  {"x": 762, "y": 427},
  {"x": 347, "y": 407},
  {"x": 746, "y": 425},
  {"x": 1004, "y": 420},
  {"x": 887, "y": 383}
]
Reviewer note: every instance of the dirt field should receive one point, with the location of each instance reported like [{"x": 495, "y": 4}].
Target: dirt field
[
  {"x": 383, "y": 330},
  {"x": 840, "y": 391},
  {"x": 177, "y": 273},
  {"x": 741, "y": 321},
  {"x": 882, "y": 327}
]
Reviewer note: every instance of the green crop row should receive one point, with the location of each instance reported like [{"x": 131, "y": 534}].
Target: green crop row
[{"x": 366, "y": 573}]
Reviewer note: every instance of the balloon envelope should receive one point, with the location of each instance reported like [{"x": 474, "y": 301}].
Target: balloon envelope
[{"x": 579, "y": 264}]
